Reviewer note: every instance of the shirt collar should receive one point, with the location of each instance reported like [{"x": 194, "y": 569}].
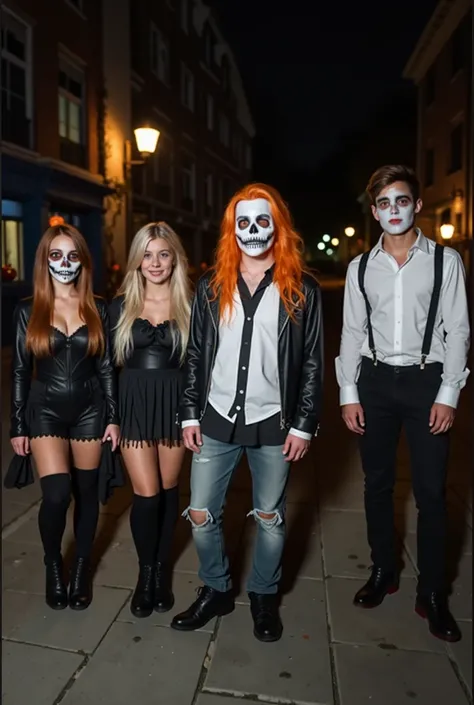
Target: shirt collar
[{"x": 421, "y": 243}]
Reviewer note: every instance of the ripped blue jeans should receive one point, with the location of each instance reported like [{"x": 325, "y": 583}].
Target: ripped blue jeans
[{"x": 211, "y": 473}]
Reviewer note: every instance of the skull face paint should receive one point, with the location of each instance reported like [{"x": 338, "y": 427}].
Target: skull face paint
[
  {"x": 254, "y": 227},
  {"x": 64, "y": 265},
  {"x": 396, "y": 210}
]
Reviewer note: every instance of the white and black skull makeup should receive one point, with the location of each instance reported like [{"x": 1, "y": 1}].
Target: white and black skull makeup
[
  {"x": 64, "y": 266},
  {"x": 395, "y": 209},
  {"x": 254, "y": 226}
]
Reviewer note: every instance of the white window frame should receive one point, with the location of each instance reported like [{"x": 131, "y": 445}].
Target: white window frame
[
  {"x": 27, "y": 64},
  {"x": 162, "y": 68},
  {"x": 65, "y": 60},
  {"x": 187, "y": 87}
]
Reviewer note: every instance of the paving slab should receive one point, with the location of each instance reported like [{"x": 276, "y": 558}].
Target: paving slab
[
  {"x": 31, "y": 674},
  {"x": 27, "y": 618},
  {"x": 346, "y": 552},
  {"x": 393, "y": 624},
  {"x": 349, "y": 495},
  {"x": 185, "y": 587},
  {"x": 461, "y": 595},
  {"x": 461, "y": 653},
  {"x": 133, "y": 665},
  {"x": 295, "y": 669},
  {"x": 396, "y": 677},
  {"x": 23, "y": 567}
]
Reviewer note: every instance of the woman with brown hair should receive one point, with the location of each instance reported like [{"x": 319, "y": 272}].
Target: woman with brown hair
[{"x": 68, "y": 408}]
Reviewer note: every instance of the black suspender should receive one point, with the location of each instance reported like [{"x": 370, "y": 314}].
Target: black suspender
[{"x": 430, "y": 323}]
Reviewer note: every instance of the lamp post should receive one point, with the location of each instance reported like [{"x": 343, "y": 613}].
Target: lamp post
[{"x": 147, "y": 140}]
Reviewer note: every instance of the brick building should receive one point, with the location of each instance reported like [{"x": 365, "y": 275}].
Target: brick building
[{"x": 441, "y": 67}]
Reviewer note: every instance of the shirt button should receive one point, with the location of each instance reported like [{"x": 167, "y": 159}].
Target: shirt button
[
  {"x": 249, "y": 318},
  {"x": 244, "y": 368},
  {"x": 238, "y": 408},
  {"x": 241, "y": 391}
]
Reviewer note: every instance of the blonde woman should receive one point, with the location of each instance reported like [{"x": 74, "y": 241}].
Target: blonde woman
[{"x": 150, "y": 321}]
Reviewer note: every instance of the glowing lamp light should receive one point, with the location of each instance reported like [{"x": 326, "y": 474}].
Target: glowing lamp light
[
  {"x": 321, "y": 245},
  {"x": 326, "y": 238},
  {"x": 350, "y": 232},
  {"x": 56, "y": 220},
  {"x": 147, "y": 139},
  {"x": 335, "y": 241},
  {"x": 447, "y": 231},
  {"x": 330, "y": 251}
]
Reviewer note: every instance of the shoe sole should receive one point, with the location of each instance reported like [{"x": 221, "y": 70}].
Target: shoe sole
[
  {"x": 183, "y": 628},
  {"x": 390, "y": 591},
  {"x": 267, "y": 639},
  {"x": 443, "y": 637}
]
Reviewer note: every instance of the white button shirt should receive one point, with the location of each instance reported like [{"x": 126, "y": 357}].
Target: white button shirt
[{"x": 400, "y": 297}]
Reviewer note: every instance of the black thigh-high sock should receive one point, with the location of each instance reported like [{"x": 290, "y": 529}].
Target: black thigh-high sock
[
  {"x": 56, "y": 491},
  {"x": 144, "y": 526},
  {"x": 86, "y": 509},
  {"x": 169, "y": 510}
]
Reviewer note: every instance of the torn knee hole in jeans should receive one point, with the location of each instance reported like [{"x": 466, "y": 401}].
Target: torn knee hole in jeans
[
  {"x": 266, "y": 519},
  {"x": 207, "y": 517}
]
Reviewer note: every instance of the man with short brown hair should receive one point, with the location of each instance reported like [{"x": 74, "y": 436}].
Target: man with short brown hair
[{"x": 402, "y": 363}]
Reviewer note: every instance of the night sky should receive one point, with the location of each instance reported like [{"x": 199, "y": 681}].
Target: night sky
[{"x": 314, "y": 71}]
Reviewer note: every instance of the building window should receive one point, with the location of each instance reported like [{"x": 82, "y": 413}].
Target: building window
[
  {"x": 71, "y": 113},
  {"x": 457, "y": 50},
  {"x": 188, "y": 184},
  {"x": 457, "y": 143},
  {"x": 163, "y": 170},
  {"x": 430, "y": 87},
  {"x": 210, "y": 112},
  {"x": 16, "y": 80},
  {"x": 160, "y": 55},
  {"x": 209, "y": 194},
  {"x": 224, "y": 130},
  {"x": 12, "y": 238},
  {"x": 185, "y": 15},
  {"x": 429, "y": 168},
  {"x": 187, "y": 87}
]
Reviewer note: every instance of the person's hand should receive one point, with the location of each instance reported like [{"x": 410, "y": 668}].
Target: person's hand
[
  {"x": 21, "y": 445},
  {"x": 295, "y": 448},
  {"x": 112, "y": 434},
  {"x": 353, "y": 416},
  {"x": 192, "y": 438},
  {"x": 441, "y": 418}
]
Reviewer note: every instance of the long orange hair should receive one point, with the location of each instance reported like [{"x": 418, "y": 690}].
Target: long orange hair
[
  {"x": 287, "y": 250},
  {"x": 38, "y": 335}
]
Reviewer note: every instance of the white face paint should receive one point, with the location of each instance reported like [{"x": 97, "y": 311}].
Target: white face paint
[
  {"x": 396, "y": 210},
  {"x": 64, "y": 265},
  {"x": 254, "y": 226}
]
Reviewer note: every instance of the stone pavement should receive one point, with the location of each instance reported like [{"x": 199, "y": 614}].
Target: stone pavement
[{"x": 331, "y": 653}]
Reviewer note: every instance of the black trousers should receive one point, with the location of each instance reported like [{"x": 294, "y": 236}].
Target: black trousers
[{"x": 392, "y": 398}]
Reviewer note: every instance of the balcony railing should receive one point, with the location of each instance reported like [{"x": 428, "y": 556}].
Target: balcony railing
[
  {"x": 73, "y": 153},
  {"x": 16, "y": 128}
]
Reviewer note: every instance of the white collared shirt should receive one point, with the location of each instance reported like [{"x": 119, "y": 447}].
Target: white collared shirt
[{"x": 400, "y": 297}]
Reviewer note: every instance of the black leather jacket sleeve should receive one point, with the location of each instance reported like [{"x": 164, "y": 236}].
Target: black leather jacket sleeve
[
  {"x": 190, "y": 399},
  {"x": 308, "y": 412},
  {"x": 105, "y": 368},
  {"x": 22, "y": 369}
]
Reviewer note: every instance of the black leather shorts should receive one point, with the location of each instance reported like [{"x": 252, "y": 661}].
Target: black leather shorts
[{"x": 73, "y": 410}]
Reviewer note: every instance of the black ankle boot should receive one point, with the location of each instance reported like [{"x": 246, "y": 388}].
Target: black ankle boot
[
  {"x": 376, "y": 588},
  {"x": 142, "y": 600},
  {"x": 56, "y": 592},
  {"x": 164, "y": 598},
  {"x": 80, "y": 586},
  {"x": 434, "y": 608},
  {"x": 210, "y": 603},
  {"x": 266, "y": 618}
]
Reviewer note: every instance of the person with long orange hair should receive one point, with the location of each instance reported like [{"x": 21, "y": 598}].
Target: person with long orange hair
[
  {"x": 69, "y": 406},
  {"x": 253, "y": 383}
]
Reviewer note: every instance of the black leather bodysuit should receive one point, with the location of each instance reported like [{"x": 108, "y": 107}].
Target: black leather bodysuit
[{"x": 69, "y": 394}]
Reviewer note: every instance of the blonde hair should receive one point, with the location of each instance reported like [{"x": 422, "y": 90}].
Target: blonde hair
[{"x": 133, "y": 290}]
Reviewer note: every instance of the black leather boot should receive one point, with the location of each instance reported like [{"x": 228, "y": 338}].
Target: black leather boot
[
  {"x": 376, "y": 588},
  {"x": 56, "y": 591},
  {"x": 434, "y": 608},
  {"x": 209, "y": 604},
  {"x": 142, "y": 600},
  {"x": 164, "y": 598},
  {"x": 80, "y": 586},
  {"x": 266, "y": 617}
]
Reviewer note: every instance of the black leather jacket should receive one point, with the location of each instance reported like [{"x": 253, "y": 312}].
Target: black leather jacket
[
  {"x": 300, "y": 358},
  {"x": 69, "y": 364}
]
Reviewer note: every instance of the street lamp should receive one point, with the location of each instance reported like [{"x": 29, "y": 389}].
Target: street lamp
[
  {"x": 147, "y": 140},
  {"x": 447, "y": 231},
  {"x": 349, "y": 231},
  {"x": 335, "y": 241},
  {"x": 330, "y": 251},
  {"x": 326, "y": 238},
  {"x": 321, "y": 245}
]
